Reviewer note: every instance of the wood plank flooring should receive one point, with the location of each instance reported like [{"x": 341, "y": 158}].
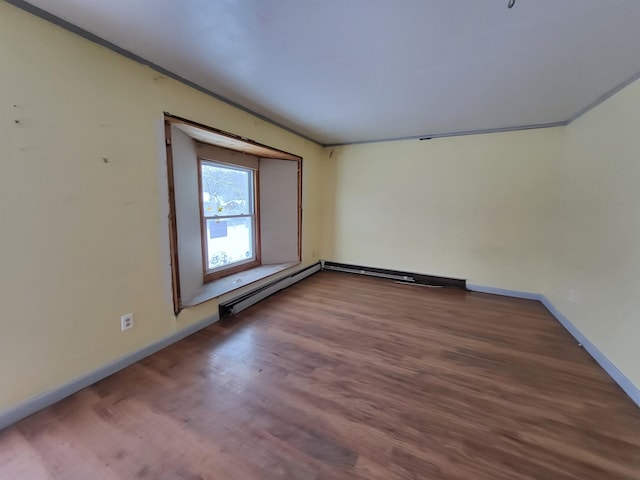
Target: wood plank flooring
[{"x": 347, "y": 377}]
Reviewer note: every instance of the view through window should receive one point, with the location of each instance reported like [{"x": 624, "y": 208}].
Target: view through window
[{"x": 228, "y": 216}]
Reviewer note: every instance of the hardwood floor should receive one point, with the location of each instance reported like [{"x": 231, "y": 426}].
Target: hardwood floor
[{"x": 347, "y": 377}]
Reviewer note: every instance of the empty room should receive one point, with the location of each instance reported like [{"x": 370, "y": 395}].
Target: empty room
[{"x": 305, "y": 239}]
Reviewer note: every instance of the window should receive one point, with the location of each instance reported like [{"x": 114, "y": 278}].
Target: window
[
  {"x": 234, "y": 205},
  {"x": 229, "y": 221}
]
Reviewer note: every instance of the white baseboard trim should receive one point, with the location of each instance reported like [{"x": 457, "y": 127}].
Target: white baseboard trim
[
  {"x": 620, "y": 378},
  {"x": 607, "y": 365},
  {"x": 504, "y": 292},
  {"x": 45, "y": 399}
]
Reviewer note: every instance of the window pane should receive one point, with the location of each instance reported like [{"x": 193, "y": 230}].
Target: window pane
[
  {"x": 229, "y": 240},
  {"x": 226, "y": 191}
]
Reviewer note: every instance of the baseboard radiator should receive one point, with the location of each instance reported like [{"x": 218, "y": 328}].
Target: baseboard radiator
[
  {"x": 237, "y": 304},
  {"x": 408, "y": 277}
]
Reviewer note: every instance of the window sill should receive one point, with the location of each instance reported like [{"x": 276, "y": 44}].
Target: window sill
[{"x": 232, "y": 282}]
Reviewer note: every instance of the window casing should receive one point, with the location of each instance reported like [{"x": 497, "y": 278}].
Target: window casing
[
  {"x": 278, "y": 206},
  {"x": 229, "y": 218}
]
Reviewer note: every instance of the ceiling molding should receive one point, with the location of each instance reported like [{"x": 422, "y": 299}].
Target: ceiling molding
[
  {"x": 43, "y": 14},
  {"x": 604, "y": 98},
  {"x": 454, "y": 134}
]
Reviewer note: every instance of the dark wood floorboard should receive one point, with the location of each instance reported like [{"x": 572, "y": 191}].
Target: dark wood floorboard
[{"x": 347, "y": 377}]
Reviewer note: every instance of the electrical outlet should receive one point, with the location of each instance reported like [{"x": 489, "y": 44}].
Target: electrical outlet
[{"x": 126, "y": 321}]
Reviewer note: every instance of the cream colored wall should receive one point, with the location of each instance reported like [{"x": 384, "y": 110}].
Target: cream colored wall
[
  {"x": 83, "y": 241},
  {"x": 474, "y": 207},
  {"x": 597, "y": 255}
]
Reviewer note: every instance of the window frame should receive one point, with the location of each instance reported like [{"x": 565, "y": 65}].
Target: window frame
[
  {"x": 230, "y": 141},
  {"x": 223, "y": 271}
]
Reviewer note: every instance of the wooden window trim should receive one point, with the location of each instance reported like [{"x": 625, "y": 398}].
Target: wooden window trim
[
  {"x": 235, "y": 143},
  {"x": 173, "y": 225},
  {"x": 299, "y": 209}
]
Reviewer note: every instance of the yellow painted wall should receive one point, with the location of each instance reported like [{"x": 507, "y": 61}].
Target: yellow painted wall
[
  {"x": 83, "y": 241},
  {"x": 474, "y": 207},
  {"x": 597, "y": 254}
]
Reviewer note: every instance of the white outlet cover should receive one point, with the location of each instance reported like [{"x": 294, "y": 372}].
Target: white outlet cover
[{"x": 126, "y": 321}]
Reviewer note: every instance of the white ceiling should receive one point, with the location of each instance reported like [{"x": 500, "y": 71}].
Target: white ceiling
[{"x": 344, "y": 71}]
